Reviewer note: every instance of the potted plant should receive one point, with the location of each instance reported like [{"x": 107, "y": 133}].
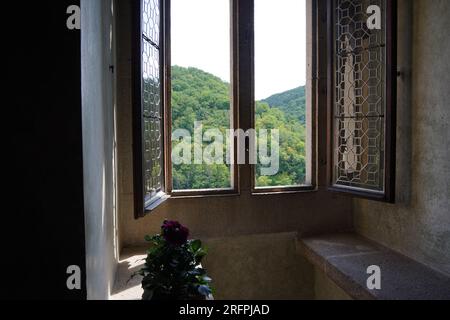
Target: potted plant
[{"x": 172, "y": 269}]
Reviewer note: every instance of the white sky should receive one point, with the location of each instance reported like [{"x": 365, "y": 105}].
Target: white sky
[{"x": 201, "y": 39}]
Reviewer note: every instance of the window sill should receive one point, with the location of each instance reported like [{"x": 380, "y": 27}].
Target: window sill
[
  {"x": 362, "y": 194},
  {"x": 286, "y": 190},
  {"x": 198, "y": 194},
  {"x": 186, "y": 194},
  {"x": 156, "y": 201},
  {"x": 345, "y": 258}
]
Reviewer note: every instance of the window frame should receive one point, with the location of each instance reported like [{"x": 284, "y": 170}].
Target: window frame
[
  {"x": 234, "y": 101},
  {"x": 391, "y": 109},
  {"x": 242, "y": 104},
  {"x": 312, "y": 78},
  {"x": 142, "y": 205}
]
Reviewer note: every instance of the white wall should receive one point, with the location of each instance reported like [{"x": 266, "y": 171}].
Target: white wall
[{"x": 98, "y": 116}]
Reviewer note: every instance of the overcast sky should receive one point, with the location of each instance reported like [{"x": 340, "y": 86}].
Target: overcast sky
[{"x": 201, "y": 39}]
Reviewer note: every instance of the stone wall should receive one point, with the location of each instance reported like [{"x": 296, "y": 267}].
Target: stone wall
[{"x": 418, "y": 225}]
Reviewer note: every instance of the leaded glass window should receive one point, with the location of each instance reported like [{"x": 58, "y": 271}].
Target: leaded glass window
[
  {"x": 362, "y": 100},
  {"x": 152, "y": 112},
  {"x": 149, "y": 112}
]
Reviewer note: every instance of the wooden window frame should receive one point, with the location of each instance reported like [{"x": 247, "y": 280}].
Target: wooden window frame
[
  {"x": 142, "y": 206},
  {"x": 234, "y": 101},
  {"x": 312, "y": 128},
  {"x": 391, "y": 109},
  {"x": 243, "y": 104}
]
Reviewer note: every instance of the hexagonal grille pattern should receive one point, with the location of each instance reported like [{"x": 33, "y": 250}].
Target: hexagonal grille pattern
[
  {"x": 151, "y": 98},
  {"x": 359, "y": 106},
  {"x": 151, "y": 20}
]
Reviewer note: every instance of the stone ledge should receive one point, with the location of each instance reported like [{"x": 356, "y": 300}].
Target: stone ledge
[{"x": 344, "y": 258}]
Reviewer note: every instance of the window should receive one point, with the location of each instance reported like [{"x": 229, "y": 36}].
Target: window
[
  {"x": 362, "y": 97},
  {"x": 213, "y": 78},
  {"x": 283, "y": 94},
  {"x": 201, "y": 99},
  {"x": 182, "y": 84},
  {"x": 148, "y": 107}
]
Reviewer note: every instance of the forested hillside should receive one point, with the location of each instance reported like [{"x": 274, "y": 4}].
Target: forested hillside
[
  {"x": 291, "y": 102},
  {"x": 200, "y": 96}
]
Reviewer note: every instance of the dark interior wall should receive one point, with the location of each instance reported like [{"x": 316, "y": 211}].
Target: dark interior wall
[{"x": 43, "y": 228}]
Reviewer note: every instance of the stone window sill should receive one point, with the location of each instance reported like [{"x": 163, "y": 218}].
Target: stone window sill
[{"x": 345, "y": 258}]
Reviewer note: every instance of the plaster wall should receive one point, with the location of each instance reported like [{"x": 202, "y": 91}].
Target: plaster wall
[
  {"x": 259, "y": 267},
  {"x": 326, "y": 289},
  {"x": 418, "y": 225},
  {"x": 98, "y": 146}
]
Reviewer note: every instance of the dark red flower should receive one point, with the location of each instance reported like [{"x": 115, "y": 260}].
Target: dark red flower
[{"x": 174, "y": 233}]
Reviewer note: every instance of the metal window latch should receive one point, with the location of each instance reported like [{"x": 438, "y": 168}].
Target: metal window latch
[{"x": 111, "y": 68}]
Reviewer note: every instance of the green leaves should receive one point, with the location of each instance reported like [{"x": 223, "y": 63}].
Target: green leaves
[
  {"x": 174, "y": 272},
  {"x": 155, "y": 240},
  {"x": 204, "y": 290},
  {"x": 292, "y": 169},
  {"x": 148, "y": 295},
  {"x": 198, "y": 251},
  {"x": 195, "y": 245},
  {"x": 200, "y": 96}
]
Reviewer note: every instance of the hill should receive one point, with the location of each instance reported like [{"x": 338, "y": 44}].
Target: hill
[
  {"x": 292, "y": 103},
  {"x": 201, "y": 96}
]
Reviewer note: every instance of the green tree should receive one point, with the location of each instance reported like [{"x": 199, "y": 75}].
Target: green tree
[{"x": 200, "y": 96}]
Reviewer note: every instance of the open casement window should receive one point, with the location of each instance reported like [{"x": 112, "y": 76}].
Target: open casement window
[
  {"x": 149, "y": 152},
  {"x": 284, "y": 95},
  {"x": 202, "y": 97},
  {"x": 362, "y": 97}
]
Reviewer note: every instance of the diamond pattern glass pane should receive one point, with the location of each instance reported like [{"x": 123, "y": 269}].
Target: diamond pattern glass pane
[
  {"x": 151, "y": 99},
  {"x": 152, "y": 156},
  {"x": 152, "y": 83},
  {"x": 151, "y": 20},
  {"x": 359, "y": 106}
]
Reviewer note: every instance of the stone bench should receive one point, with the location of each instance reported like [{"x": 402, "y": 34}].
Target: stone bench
[{"x": 345, "y": 258}]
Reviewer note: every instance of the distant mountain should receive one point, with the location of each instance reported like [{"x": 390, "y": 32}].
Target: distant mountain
[
  {"x": 292, "y": 103},
  {"x": 200, "y": 96}
]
